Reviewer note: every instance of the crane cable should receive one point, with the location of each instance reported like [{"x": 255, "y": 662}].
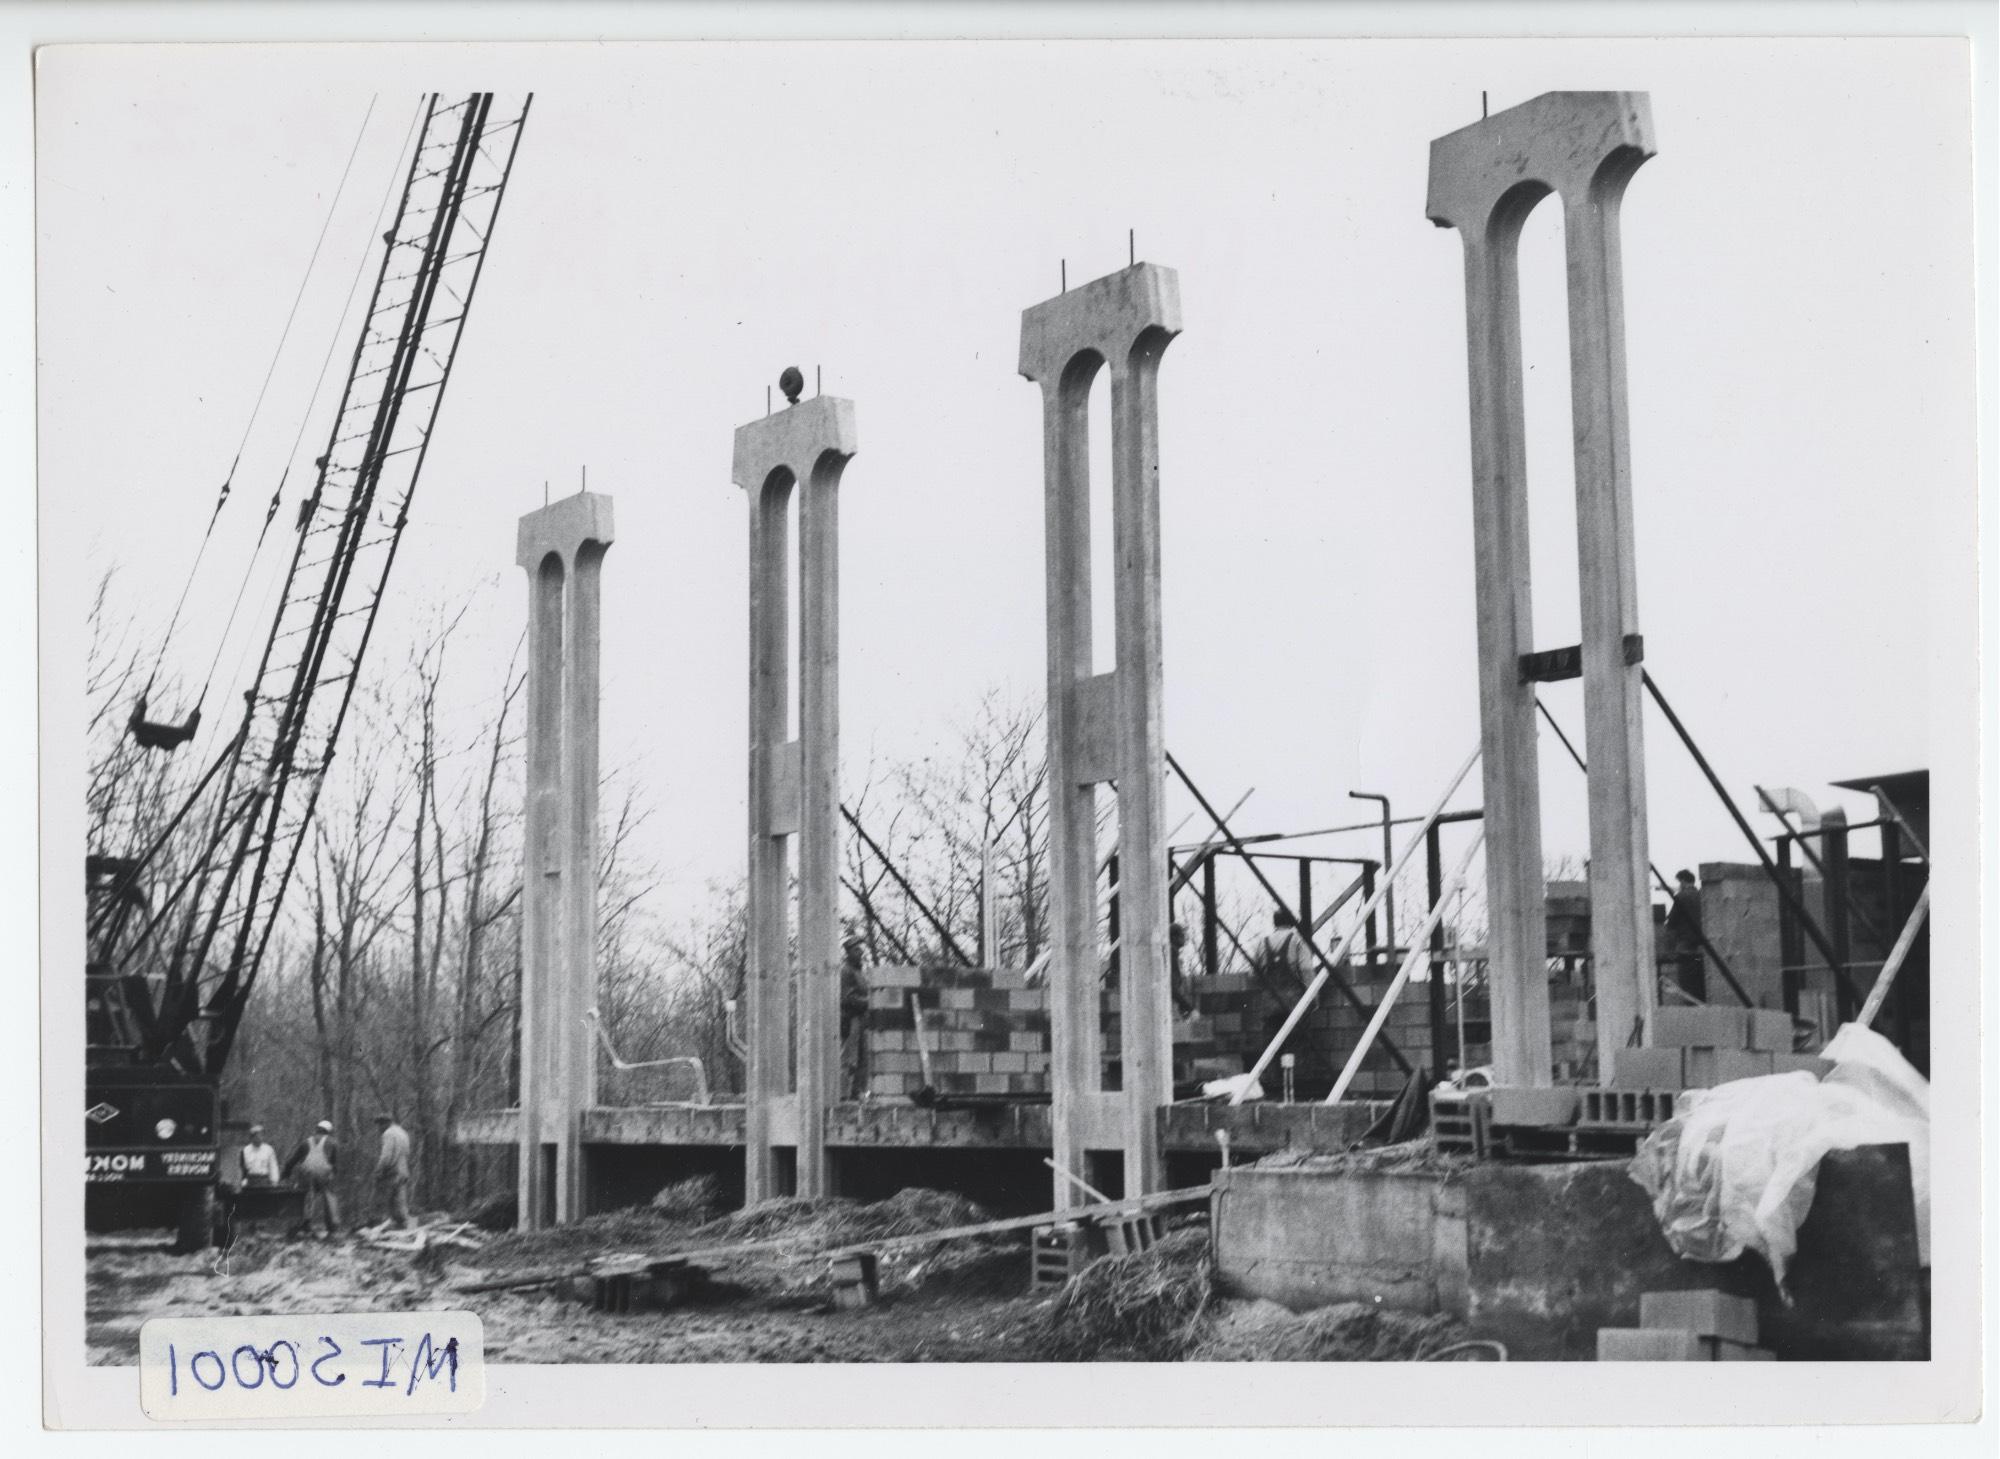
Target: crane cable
[
  {"x": 305, "y": 416},
  {"x": 228, "y": 481}
]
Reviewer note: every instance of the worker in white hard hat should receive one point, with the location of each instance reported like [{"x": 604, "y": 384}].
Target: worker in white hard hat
[
  {"x": 258, "y": 1160},
  {"x": 317, "y": 1161}
]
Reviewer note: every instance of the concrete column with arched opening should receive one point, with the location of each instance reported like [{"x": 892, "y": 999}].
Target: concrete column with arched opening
[
  {"x": 794, "y": 791},
  {"x": 1583, "y": 146},
  {"x": 562, "y": 548},
  {"x": 1105, "y": 728}
]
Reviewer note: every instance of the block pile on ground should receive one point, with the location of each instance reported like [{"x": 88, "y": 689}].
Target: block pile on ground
[{"x": 1686, "y": 1327}]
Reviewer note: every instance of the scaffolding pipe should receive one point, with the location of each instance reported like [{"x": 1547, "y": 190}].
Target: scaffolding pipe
[
  {"x": 1420, "y": 951},
  {"x": 1347, "y": 943}
]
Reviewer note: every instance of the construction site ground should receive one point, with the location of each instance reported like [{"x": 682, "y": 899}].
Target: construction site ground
[{"x": 963, "y": 1301}]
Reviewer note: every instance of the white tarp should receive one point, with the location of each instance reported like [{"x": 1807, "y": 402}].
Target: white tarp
[{"x": 1734, "y": 1170}]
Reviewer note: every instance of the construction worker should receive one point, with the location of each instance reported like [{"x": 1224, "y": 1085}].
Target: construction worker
[
  {"x": 1683, "y": 929},
  {"x": 317, "y": 1160},
  {"x": 257, "y": 1160},
  {"x": 853, "y": 1019},
  {"x": 392, "y": 1171},
  {"x": 1282, "y": 954},
  {"x": 1176, "y": 978}
]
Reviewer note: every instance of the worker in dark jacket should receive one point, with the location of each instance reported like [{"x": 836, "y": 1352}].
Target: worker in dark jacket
[
  {"x": 392, "y": 1171},
  {"x": 1684, "y": 938},
  {"x": 853, "y": 1021},
  {"x": 317, "y": 1160},
  {"x": 1176, "y": 975}
]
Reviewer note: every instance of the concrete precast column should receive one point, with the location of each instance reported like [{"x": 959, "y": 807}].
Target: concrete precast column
[
  {"x": 562, "y": 547},
  {"x": 819, "y": 950},
  {"x": 1145, "y": 1004},
  {"x": 1105, "y": 727},
  {"x": 1484, "y": 181},
  {"x": 767, "y": 976},
  {"x": 1621, "y": 935},
  {"x": 794, "y": 790},
  {"x": 577, "y": 1076},
  {"x": 541, "y": 876},
  {"x": 1076, "y": 1040}
]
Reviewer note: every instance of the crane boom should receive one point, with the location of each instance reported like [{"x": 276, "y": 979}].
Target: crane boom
[{"x": 208, "y": 936}]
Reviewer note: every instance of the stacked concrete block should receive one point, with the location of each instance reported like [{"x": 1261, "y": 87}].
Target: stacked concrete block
[
  {"x": 1534, "y": 1108},
  {"x": 1699, "y": 1326},
  {"x": 1699, "y": 1048}
]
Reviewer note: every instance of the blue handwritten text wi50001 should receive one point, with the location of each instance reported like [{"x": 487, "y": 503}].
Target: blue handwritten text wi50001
[{"x": 373, "y": 1362}]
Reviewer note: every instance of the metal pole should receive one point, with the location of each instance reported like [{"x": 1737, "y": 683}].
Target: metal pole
[
  {"x": 1791, "y": 945},
  {"x": 1388, "y": 854},
  {"x": 1209, "y": 962},
  {"x": 1434, "y": 887},
  {"x": 1833, "y": 883}
]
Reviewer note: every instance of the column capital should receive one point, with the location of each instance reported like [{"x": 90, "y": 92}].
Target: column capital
[
  {"x": 1559, "y": 142},
  {"x": 563, "y": 527},
  {"x": 1104, "y": 317},
  {"x": 795, "y": 439}
]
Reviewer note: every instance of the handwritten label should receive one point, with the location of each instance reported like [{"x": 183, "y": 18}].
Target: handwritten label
[{"x": 337, "y": 1365}]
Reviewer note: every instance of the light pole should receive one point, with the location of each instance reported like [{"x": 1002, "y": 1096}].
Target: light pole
[{"x": 1388, "y": 860}]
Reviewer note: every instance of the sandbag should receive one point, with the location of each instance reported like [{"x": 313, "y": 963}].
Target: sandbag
[{"x": 1734, "y": 1170}]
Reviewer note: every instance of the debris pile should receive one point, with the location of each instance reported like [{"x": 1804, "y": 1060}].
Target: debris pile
[
  {"x": 1146, "y": 1306},
  {"x": 429, "y": 1232},
  {"x": 1349, "y": 1332},
  {"x": 695, "y": 1199}
]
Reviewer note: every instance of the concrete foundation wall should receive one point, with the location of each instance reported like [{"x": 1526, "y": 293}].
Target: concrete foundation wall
[
  {"x": 1309, "y": 1238},
  {"x": 1542, "y": 1256}
]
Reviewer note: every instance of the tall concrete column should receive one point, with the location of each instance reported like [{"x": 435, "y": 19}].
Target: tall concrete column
[
  {"x": 562, "y": 547},
  {"x": 1106, "y": 727},
  {"x": 794, "y": 791},
  {"x": 1484, "y": 181}
]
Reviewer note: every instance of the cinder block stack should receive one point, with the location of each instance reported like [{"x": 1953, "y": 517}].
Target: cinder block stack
[
  {"x": 1699, "y": 1048},
  {"x": 1686, "y": 1327}
]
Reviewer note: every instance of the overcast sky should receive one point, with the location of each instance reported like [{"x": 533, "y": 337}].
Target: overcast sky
[{"x": 685, "y": 221}]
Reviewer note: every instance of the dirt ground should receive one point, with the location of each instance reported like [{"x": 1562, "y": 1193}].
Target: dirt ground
[{"x": 966, "y": 1301}]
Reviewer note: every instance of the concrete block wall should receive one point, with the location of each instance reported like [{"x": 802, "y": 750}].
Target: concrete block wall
[{"x": 988, "y": 1032}]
